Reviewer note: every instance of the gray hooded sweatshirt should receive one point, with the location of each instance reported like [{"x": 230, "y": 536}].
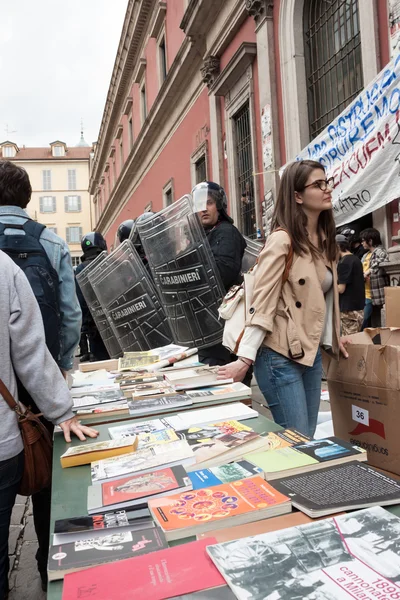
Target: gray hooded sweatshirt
[{"x": 23, "y": 351}]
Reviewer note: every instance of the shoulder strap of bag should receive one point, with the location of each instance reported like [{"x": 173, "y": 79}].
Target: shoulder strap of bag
[{"x": 7, "y": 396}]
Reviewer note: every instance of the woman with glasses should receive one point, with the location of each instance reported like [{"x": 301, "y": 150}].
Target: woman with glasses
[{"x": 295, "y": 306}]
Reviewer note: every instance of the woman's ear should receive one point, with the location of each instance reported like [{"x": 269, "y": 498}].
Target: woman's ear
[{"x": 298, "y": 198}]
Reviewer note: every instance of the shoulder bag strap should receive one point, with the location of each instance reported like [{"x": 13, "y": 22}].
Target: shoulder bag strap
[{"x": 7, "y": 396}]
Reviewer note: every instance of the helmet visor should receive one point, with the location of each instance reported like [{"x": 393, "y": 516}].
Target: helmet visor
[{"x": 200, "y": 197}]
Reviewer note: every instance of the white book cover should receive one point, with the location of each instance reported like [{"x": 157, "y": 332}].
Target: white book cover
[
  {"x": 84, "y": 390},
  {"x": 142, "y": 461},
  {"x": 228, "y": 412},
  {"x": 135, "y": 428}
]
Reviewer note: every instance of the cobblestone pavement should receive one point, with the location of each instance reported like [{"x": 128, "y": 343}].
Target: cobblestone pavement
[{"x": 24, "y": 576}]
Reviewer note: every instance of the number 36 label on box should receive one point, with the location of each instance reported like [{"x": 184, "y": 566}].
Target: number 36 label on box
[{"x": 359, "y": 414}]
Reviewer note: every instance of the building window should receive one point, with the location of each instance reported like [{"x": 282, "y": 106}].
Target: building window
[
  {"x": 72, "y": 203},
  {"x": 47, "y": 204},
  {"x": 332, "y": 59},
  {"x": 51, "y": 228},
  {"x": 46, "y": 179},
  {"x": 162, "y": 59},
  {"x": 58, "y": 151},
  {"x": 200, "y": 169},
  {"x": 143, "y": 102},
  {"x": 130, "y": 132},
  {"x": 75, "y": 261},
  {"x": 73, "y": 234},
  {"x": 244, "y": 171},
  {"x": 114, "y": 168},
  {"x": 72, "y": 179},
  {"x": 168, "y": 193},
  {"x": 8, "y": 151}
]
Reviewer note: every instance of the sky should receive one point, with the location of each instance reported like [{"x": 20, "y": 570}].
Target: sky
[{"x": 56, "y": 61}]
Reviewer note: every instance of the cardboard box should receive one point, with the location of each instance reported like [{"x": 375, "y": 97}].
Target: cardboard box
[
  {"x": 365, "y": 395},
  {"x": 392, "y": 306}
]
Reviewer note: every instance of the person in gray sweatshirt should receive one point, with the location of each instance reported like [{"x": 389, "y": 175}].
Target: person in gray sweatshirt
[{"x": 23, "y": 352}]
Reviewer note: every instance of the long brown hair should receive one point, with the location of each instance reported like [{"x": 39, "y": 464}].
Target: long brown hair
[{"x": 289, "y": 215}]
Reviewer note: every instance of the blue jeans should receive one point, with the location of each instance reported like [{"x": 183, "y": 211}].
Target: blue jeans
[
  {"x": 292, "y": 391},
  {"x": 367, "y": 313},
  {"x": 10, "y": 476}
]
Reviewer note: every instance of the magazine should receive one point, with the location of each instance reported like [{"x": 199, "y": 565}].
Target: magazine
[{"x": 352, "y": 556}]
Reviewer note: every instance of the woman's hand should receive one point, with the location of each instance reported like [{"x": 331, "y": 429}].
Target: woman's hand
[
  {"x": 235, "y": 370},
  {"x": 344, "y": 342},
  {"x": 74, "y": 426}
]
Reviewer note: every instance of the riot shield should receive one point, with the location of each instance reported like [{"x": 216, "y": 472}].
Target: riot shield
[
  {"x": 107, "y": 334},
  {"x": 129, "y": 300},
  {"x": 185, "y": 274},
  {"x": 251, "y": 253}
]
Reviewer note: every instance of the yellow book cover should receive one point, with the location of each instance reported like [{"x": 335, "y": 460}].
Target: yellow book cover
[{"x": 87, "y": 453}]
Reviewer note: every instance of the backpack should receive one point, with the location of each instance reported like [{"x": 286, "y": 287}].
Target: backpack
[{"x": 28, "y": 253}]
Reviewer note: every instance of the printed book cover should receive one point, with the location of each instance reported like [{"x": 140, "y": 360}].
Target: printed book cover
[
  {"x": 234, "y": 471},
  {"x": 164, "y": 436},
  {"x": 110, "y": 409},
  {"x": 339, "y": 488},
  {"x": 183, "y": 514},
  {"x": 219, "y": 446},
  {"x": 137, "y": 488},
  {"x": 123, "y": 431},
  {"x": 214, "y": 414},
  {"x": 100, "y": 398},
  {"x": 86, "y": 453},
  {"x": 183, "y": 569},
  {"x": 352, "y": 556},
  {"x": 110, "y": 520},
  {"x": 158, "y": 388},
  {"x": 162, "y": 403},
  {"x": 220, "y": 392},
  {"x": 116, "y": 546},
  {"x": 142, "y": 461},
  {"x": 133, "y": 360}
]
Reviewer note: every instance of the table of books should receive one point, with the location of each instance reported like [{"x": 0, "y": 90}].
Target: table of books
[{"x": 69, "y": 488}]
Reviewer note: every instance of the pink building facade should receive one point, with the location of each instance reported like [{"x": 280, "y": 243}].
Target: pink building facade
[{"x": 228, "y": 90}]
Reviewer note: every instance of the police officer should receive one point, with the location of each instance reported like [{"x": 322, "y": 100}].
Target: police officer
[
  {"x": 135, "y": 237},
  {"x": 227, "y": 245},
  {"x": 92, "y": 245}
]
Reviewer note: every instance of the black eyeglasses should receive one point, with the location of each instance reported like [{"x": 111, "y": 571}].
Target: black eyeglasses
[{"x": 322, "y": 184}]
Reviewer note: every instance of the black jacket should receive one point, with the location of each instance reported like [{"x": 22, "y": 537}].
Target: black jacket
[{"x": 227, "y": 245}]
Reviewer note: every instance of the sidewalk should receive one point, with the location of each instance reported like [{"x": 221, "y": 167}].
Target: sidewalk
[{"x": 24, "y": 577}]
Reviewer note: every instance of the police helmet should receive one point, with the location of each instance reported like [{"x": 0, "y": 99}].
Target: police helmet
[
  {"x": 134, "y": 235},
  {"x": 124, "y": 230},
  {"x": 202, "y": 191},
  {"x": 94, "y": 239}
]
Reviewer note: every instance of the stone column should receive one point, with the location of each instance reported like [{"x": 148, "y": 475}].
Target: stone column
[
  {"x": 262, "y": 11},
  {"x": 210, "y": 71}
]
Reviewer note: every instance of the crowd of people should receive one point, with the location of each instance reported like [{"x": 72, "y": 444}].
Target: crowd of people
[{"x": 332, "y": 287}]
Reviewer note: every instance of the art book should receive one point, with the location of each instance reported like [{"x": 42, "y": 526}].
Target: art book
[
  {"x": 221, "y": 443},
  {"x": 133, "y": 360},
  {"x": 158, "y": 388},
  {"x": 353, "y": 556},
  {"x": 215, "y": 414},
  {"x": 135, "y": 428},
  {"x": 137, "y": 489},
  {"x": 68, "y": 558},
  {"x": 220, "y": 392},
  {"x": 234, "y": 471},
  {"x": 103, "y": 411},
  {"x": 90, "y": 399},
  {"x": 91, "y": 523},
  {"x": 143, "y": 461},
  {"x": 84, "y": 454},
  {"x": 306, "y": 456},
  {"x": 96, "y": 390},
  {"x": 198, "y": 511},
  {"x": 193, "y": 378},
  {"x": 169, "y": 573},
  {"x": 339, "y": 488},
  {"x": 161, "y": 404}
]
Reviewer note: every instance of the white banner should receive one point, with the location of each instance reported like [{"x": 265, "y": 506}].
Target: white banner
[{"x": 361, "y": 148}]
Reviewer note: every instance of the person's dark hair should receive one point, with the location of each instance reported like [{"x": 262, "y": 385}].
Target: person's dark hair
[
  {"x": 289, "y": 215},
  {"x": 371, "y": 236},
  {"x": 344, "y": 246},
  {"x": 15, "y": 187}
]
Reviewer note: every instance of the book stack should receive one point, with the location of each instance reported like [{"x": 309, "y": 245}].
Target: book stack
[{"x": 210, "y": 473}]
